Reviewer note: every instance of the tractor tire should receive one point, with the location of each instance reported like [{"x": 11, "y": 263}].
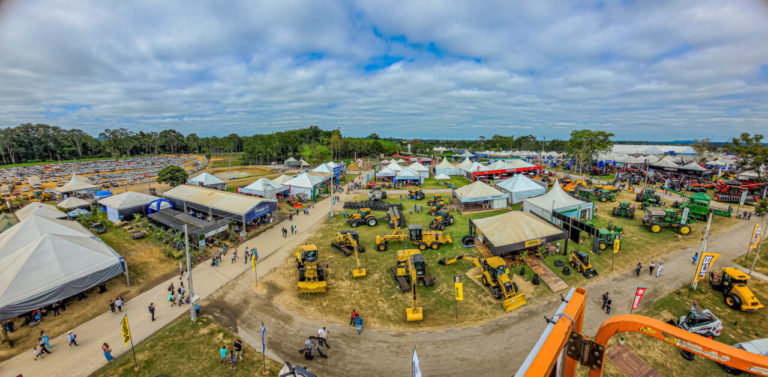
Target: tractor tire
[
  {"x": 655, "y": 228},
  {"x": 733, "y": 301},
  {"x": 658, "y": 198},
  {"x": 434, "y": 246},
  {"x": 450, "y": 220},
  {"x": 422, "y": 246},
  {"x": 353, "y": 224},
  {"x": 302, "y": 272},
  {"x": 613, "y": 199},
  {"x": 514, "y": 285},
  {"x": 684, "y": 229},
  {"x": 639, "y": 197},
  {"x": 381, "y": 247},
  {"x": 615, "y": 212},
  {"x": 360, "y": 248},
  {"x": 467, "y": 240},
  {"x": 534, "y": 281},
  {"x": 320, "y": 274},
  {"x": 603, "y": 199},
  {"x": 372, "y": 221},
  {"x": 496, "y": 292},
  {"x": 603, "y": 246},
  {"x": 559, "y": 263},
  {"x": 566, "y": 271},
  {"x": 687, "y": 355}
]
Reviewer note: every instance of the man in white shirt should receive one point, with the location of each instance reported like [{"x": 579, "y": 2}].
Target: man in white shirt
[
  {"x": 322, "y": 339},
  {"x": 658, "y": 269}
]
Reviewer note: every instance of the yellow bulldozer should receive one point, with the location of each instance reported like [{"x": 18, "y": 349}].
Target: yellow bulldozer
[
  {"x": 410, "y": 262},
  {"x": 736, "y": 294},
  {"x": 495, "y": 277},
  {"x": 348, "y": 242},
  {"x": 311, "y": 274},
  {"x": 415, "y": 312},
  {"x": 363, "y": 216}
]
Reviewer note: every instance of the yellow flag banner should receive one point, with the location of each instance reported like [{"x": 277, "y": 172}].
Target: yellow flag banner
[
  {"x": 125, "y": 330},
  {"x": 757, "y": 234},
  {"x": 705, "y": 264}
]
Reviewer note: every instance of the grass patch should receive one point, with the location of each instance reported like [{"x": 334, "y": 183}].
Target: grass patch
[
  {"x": 761, "y": 265},
  {"x": 225, "y": 160},
  {"x": 457, "y": 181},
  {"x": 738, "y": 327},
  {"x": 188, "y": 349}
]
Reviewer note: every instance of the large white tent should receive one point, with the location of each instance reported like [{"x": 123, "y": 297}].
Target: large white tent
[
  {"x": 409, "y": 175},
  {"x": 263, "y": 187},
  {"x": 72, "y": 203},
  {"x": 447, "y": 168},
  {"x": 519, "y": 187},
  {"x": 206, "y": 179},
  {"x": 557, "y": 200},
  {"x": 481, "y": 193},
  {"x": 39, "y": 209},
  {"x": 304, "y": 184},
  {"x": 75, "y": 184},
  {"x": 420, "y": 169},
  {"x": 282, "y": 179},
  {"x": 46, "y": 260},
  {"x": 692, "y": 166},
  {"x": 128, "y": 203}
]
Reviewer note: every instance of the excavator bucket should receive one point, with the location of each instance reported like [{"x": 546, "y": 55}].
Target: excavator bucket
[
  {"x": 312, "y": 287},
  {"x": 414, "y": 314},
  {"x": 359, "y": 272},
  {"x": 514, "y": 302}
]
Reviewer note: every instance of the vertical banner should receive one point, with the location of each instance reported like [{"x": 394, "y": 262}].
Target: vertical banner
[
  {"x": 458, "y": 288},
  {"x": 125, "y": 330},
  {"x": 743, "y": 198},
  {"x": 685, "y": 215},
  {"x": 705, "y": 264},
  {"x": 616, "y": 245},
  {"x": 757, "y": 234},
  {"x": 638, "y": 296}
]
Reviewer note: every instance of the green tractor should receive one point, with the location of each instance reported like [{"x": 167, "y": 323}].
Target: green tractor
[
  {"x": 623, "y": 210},
  {"x": 596, "y": 194},
  {"x": 698, "y": 205},
  {"x": 648, "y": 198},
  {"x": 606, "y": 236},
  {"x": 657, "y": 218}
]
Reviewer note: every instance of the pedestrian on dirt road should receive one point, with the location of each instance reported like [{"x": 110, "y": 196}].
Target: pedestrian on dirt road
[
  {"x": 322, "y": 337},
  {"x": 307, "y": 349},
  {"x": 223, "y": 354},
  {"x": 316, "y": 345},
  {"x": 41, "y": 344},
  {"x": 608, "y": 307},
  {"x": 112, "y": 306},
  {"x": 234, "y": 256},
  {"x": 637, "y": 269},
  {"x": 749, "y": 216},
  {"x": 605, "y": 300},
  {"x": 37, "y": 352},
  {"x": 658, "y": 271},
  {"x": 181, "y": 298},
  {"x": 290, "y": 217},
  {"x": 359, "y": 323},
  {"x": 291, "y": 229},
  {"x": 352, "y": 317},
  {"x": 151, "y": 309},
  {"x": 72, "y": 337},
  {"x": 45, "y": 339},
  {"x": 651, "y": 267},
  {"x": 237, "y": 348},
  {"x": 695, "y": 257},
  {"x": 172, "y": 298},
  {"x": 119, "y": 304},
  {"x": 107, "y": 352}
]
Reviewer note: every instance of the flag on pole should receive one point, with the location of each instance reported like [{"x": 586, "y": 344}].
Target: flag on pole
[
  {"x": 757, "y": 234},
  {"x": 263, "y": 345},
  {"x": 705, "y": 264},
  {"x": 639, "y": 292},
  {"x": 415, "y": 368}
]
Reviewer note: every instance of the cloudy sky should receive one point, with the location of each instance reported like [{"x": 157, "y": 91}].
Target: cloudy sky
[{"x": 645, "y": 70}]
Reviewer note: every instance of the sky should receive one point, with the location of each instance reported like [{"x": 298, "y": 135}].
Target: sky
[{"x": 644, "y": 70}]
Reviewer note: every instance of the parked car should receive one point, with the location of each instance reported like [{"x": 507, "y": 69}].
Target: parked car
[{"x": 759, "y": 346}]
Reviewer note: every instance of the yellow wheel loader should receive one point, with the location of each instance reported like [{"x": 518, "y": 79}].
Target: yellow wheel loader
[
  {"x": 495, "y": 277},
  {"x": 311, "y": 274}
]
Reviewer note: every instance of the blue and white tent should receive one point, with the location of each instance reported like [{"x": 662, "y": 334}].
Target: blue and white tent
[{"x": 521, "y": 187}]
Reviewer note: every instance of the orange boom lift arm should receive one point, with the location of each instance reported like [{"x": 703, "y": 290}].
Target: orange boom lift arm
[{"x": 562, "y": 345}]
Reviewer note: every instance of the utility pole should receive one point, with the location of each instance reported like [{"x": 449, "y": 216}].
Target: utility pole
[{"x": 193, "y": 298}]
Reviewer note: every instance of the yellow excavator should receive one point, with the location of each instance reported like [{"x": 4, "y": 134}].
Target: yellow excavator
[
  {"x": 415, "y": 312},
  {"x": 347, "y": 242},
  {"x": 495, "y": 277},
  {"x": 410, "y": 264},
  {"x": 311, "y": 274}
]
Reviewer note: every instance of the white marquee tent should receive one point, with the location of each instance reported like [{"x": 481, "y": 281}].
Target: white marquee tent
[
  {"x": 206, "y": 179},
  {"x": 263, "y": 187},
  {"x": 39, "y": 209},
  {"x": 447, "y": 168},
  {"x": 481, "y": 192},
  {"x": 519, "y": 187},
  {"x": 557, "y": 200}
]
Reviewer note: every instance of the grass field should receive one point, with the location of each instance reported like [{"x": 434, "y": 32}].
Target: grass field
[
  {"x": 377, "y": 297},
  {"x": 738, "y": 327},
  {"x": 188, "y": 349},
  {"x": 431, "y": 183},
  {"x": 225, "y": 160},
  {"x": 761, "y": 265}
]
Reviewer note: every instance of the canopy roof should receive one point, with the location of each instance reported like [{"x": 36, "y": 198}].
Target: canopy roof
[
  {"x": 693, "y": 167},
  {"x": 442, "y": 176},
  {"x": 554, "y": 199},
  {"x": 665, "y": 163},
  {"x": 39, "y": 209},
  {"x": 291, "y": 159},
  {"x": 417, "y": 167},
  {"x": 466, "y": 154},
  {"x": 520, "y": 182},
  {"x": 45, "y": 260},
  {"x": 517, "y": 164},
  {"x": 282, "y": 179},
  {"x": 323, "y": 169},
  {"x": 305, "y": 180},
  {"x": 445, "y": 164},
  {"x": 215, "y": 199},
  {"x": 263, "y": 184},
  {"x": 130, "y": 199},
  {"x": 75, "y": 184},
  {"x": 477, "y": 191},
  {"x": 407, "y": 173},
  {"x": 205, "y": 179},
  {"x": 515, "y": 228},
  {"x": 303, "y": 163},
  {"x": 72, "y": 202}
]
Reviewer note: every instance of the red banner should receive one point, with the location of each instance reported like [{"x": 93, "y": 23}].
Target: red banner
[{"x": 638, "y": 296}]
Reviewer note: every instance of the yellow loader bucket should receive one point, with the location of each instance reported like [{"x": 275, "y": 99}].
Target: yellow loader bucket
[
  {"x": 414, "y": 314},
  {"x": 514, "y": 302},
  {"x": 312, "y": 287},
  {"x": 358, "y": 273},
  {"x": 448, "y": 238}
]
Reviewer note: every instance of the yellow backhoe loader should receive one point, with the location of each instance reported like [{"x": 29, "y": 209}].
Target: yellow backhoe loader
[
  {"x": 495, "y": 277},
  {"x": 347, "y": 242}
]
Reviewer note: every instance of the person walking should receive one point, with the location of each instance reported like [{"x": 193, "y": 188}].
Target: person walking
[
  {"x": 180, "y": 298},
  {"x": 37, "y": 352},
  {"x": 112, "y": 306},
  {"x": 658, "y": 271},
  {"x": 352, "y": 317},
  {"x": 637, "y": 269},
  {"x": 307, "y": 349},
  {"x": 651, "y": 267},
  {"x": 45, "y": 339},
  {"x": 608, "y": 307},
  {"x": 605, "y": 300},
  {"x": 72, "y": 337},
  {"x": 172, "y": 298},
  {"x": 237, "y": 348},
  {"x": 232, "y": 361},
  {"x": 107, "y": 352},
  {"x": 291, "y": 229},
  {"x": 316, "y": 344},
  {"x": 358, "y": 323},
  {"x": 234, "y": 256},
  {"x": 151, "y": 309},
  {"x": 119, "y": 304},
  {"x": 695, "y": 257},
  {"x": 223, "y": 354},
  {"x": 322, "y": 337},
  {"x": 41, "y": 344}
]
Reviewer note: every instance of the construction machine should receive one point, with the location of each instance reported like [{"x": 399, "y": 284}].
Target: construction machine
[
  {"x": 439, "y": 205},
  {"x": 410, "y": 262},
  {"x": 395, "y": 217},
  {"x": 377, "y": 194},
  {"x": 348, "y": 242},
  {"x": 427, "y": 238},
  {"x": 397, "y": 235},
  {"x": 657, "y": 218},
  {"x": 416, "y": 194},
  {"x": 363, "y": 216},
  {"x": 648, "y": 198},
  {"x": 730, "y": 191},
  {"x": 415, "y": 312},
  {"x": 701, "y": 322},
  {"x": 442, "y": 219},
  {"x": 434, "y": 199},
  {"x": 311, "y": 274},
  {"x": 623, "y": 210},
  {"x": 495, "y": 277},
  {"x": 579, "y": 261},
  {"x": 733, "y": 283},
  {"x": 358, "y": 272}
]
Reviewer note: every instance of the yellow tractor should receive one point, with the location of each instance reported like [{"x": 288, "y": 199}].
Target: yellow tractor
[
  {"x": 495, "y": 277},
  {"x": 347, "y": 242},
  {"x": 433, "y": 200},
  {"x": 437, "y": 207},
  {"x": 311, "y": 274},
  {"x": 736, "y": 294},
  {"x": 363, "y": 216},
  {"x": 410, "y": 262},
  {"x": 416, "y": 194},
  {"x": 430, "y": 239},
  {"x": 415, "y": 312}
]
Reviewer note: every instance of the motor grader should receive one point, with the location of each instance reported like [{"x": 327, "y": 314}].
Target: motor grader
[
  {"x": 495, "y": 277},
  {"x": 348, "y": 242},
  {"x": 311, "y": 274},
  {"x": 363, "y": 216},
  {"x": 442, "y": 219},
  {"x": 431, "y": 239},
  {"x": 401, "y": 271}
]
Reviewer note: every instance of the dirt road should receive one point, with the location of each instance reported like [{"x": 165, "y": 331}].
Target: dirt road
[{"x": 462, "y": 352}]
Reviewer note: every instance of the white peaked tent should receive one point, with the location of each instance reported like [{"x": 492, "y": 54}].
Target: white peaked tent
[
  {"x": 304, "y": 184},
  {"x": 263, "y": 187},
  {"x": 497, "y": 165},
  {"x": 75, "y": 184},
  {"x": 466, "y": 165},
  {"x": 408, "y": 174},
  {"x": 481, "y": 193},
  {"x": 282, "y": 179},
  {"x": 72, "y": 202},
  {"x": 420, "y": 169},
  {"x": 557, "y": 200},
  {"x": 126, "y": 204},
  {"x": 517, "y": 164},
  {"x": 46, "y": 260},
  {"x": 447, "y": 168},
  {"x": 665, "y": 163},
  {"x": 520, "y": 187},
  {"x": 390, "y": 170},
  {"x": 442, "y": 177},
  {"x": 208, "y": 180},
  {"x": 466, "y": 154},
  {"x": 39, "y": 209}
]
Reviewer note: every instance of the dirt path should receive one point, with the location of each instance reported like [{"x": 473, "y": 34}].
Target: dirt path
[{"x": 463, "y": 351}]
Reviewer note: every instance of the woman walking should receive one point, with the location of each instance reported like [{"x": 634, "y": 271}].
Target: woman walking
[{"x": 107, "y": 351}]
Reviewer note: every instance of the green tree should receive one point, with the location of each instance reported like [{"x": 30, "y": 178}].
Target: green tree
[
  {"x": 585, "y": 145},
  {"x": 753, "y": 153},
  {"x": 172, "y": 175}
]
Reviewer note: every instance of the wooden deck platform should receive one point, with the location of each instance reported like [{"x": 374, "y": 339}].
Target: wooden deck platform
[
  {"x": 546, "y": 274},
  {"x": 629, "y": 363}
]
